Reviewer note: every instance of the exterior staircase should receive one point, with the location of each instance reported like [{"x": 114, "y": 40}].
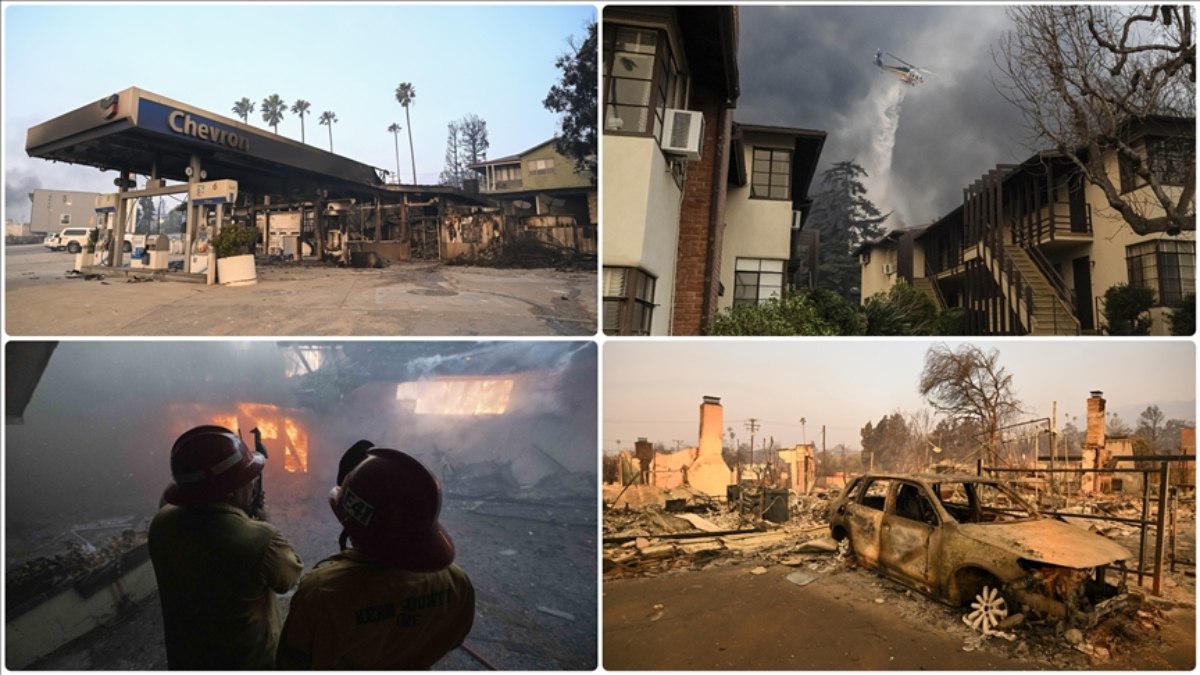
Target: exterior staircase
[
  {"x": 1051, "y": 315},
  {"x": 925, "y": 285},
  {"x": 1025, "y": 287}
]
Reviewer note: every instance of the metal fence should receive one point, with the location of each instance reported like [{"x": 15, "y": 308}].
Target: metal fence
[{"x": 1167, "y": 501}]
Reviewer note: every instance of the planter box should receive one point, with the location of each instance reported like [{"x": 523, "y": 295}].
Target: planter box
[{"x": 236, "y": 270}]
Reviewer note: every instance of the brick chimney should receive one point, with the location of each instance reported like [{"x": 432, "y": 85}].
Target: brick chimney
[
  {"x": 1095, "y": 421},
  {"x": 712, "y": 421}
]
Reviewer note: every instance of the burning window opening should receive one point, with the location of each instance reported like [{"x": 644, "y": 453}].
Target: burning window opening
[
  {"x": 303, "y": 362},
  {"x": 457, "y": 396},
  {"x": 271, "y": 420}
]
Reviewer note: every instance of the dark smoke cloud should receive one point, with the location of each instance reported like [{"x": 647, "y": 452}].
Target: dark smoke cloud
[
  {"x": 18, "y": 184},
  {"x": 812, "y": 67}
]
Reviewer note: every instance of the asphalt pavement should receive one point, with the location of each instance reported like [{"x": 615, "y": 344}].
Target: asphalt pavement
[{"x": 425, "y": 299}]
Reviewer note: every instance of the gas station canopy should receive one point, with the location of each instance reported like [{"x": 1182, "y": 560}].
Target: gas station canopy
[{"x": 144, "y": 133}]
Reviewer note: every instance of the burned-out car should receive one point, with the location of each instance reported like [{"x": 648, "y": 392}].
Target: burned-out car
[{"x": 969, "y": 539}]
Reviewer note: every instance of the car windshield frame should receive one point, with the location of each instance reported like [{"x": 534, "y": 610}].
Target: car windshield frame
[{"x": 975, "y": 512}]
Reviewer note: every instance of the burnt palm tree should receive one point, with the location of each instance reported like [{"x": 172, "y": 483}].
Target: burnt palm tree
[
  {"x": 300, "y": 109},
  {"x": 328, "y": 118},
  {"x": 405, "y": 94},
  {"x": 395, "y": 129},
  {"x": 273, "y": 109},
  {"x": 243, "y": 108}
]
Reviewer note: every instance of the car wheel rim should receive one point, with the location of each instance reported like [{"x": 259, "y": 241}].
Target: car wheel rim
[{"x": 987, "y": 610}]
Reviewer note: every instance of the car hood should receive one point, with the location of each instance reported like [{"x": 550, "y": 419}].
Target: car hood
[{"x": 1049, "y": 541}]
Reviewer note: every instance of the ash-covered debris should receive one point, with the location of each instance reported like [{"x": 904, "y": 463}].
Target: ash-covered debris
[
  {"x": 682, "y": 528},
  {"x": 530, "y": 253},
  {"x": 80, "y": 563}
]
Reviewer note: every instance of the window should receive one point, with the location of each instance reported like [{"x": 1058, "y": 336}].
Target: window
[
  {"x": 641, "y": 78},
  {"x": 64, "y": 219},
  {"x": 506, "y": 173},
  {"x": 771, "y": 174},
  {"x": 1169, "y": 159},
  {"x": 913, "y": 505},
  {"x": 755, "y": 280},
  {"x": 628, "y": 301},
  {"x": 875, "y": 494},
  {"x": 1166, "y": 266},
  {"x": 541, "y": 165}
]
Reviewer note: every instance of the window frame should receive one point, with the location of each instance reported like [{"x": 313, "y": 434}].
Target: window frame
[
  {"x": 1146, "y": 262},
  {"x": 739, "y": 270},
  {"x": 664, "y": 87},
  {"x": 636, "y": 304},
  {"x": 770, "y": 172},
  {"x": 1166, "y": 165}
]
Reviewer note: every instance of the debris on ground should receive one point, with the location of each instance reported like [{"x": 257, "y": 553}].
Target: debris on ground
[{"x": 530, "y": 253}]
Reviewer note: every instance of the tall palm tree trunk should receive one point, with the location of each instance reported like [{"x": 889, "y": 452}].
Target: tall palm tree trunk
[
  {"x": 411, "y": 153},
  {"x": 331, "y": 137},
  {"x": 396, "y": 138}
]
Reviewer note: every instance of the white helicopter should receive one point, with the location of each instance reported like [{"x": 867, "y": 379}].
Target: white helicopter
[{"x": 908, "y": 73}]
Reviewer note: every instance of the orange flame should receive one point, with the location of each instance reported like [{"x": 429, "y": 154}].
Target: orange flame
[
  {"x": 270, "y": 419},
  {"x": 457, "y": 396}
]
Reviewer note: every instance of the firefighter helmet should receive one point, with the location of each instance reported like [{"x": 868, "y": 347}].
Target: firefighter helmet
[
  {"x": 207, "y": 463},
  {"x": 389, "y": 504}
]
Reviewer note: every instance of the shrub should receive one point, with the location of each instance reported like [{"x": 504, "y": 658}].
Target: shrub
[
  {"x": 234, "y": 240},
  {"x": 1182, "y": 317},
  {"x": 794, "y": 313},
  {"x": 903, "y": 310},
  {"x": 1128, "y": 309}
]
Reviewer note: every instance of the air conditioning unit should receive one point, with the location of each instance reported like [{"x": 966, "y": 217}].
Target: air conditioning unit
[
  {"x": 889, "y": 268},
  {"x": 683, "y": 132}
]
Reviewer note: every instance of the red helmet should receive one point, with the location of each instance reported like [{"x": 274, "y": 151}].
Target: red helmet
[
  {"x": 207, "y": 463},
  {"x": 389, "y": 504}
]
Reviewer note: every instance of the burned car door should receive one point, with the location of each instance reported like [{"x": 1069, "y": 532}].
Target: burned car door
[
  {"x": 864, "y": 519},
  {"x": 909, "y": 537}
]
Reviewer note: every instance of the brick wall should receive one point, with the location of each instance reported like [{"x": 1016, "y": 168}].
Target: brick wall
[{"x": 699, "y": 249}]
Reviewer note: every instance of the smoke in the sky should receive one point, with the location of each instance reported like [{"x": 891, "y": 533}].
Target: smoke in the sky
[{"x": 879, "y": 162}]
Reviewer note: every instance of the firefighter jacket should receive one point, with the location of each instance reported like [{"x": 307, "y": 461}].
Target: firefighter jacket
[
  {"x": 353, "y": 612},
  {"x": 218, "y": 572}
]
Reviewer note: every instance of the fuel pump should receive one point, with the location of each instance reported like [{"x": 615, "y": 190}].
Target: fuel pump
[{"x": 210, "y": 199}]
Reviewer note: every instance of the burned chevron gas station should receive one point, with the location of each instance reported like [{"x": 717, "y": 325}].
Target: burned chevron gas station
[{"x": 305, "y": 203}]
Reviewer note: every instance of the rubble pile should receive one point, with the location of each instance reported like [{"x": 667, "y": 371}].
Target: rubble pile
[
  {"x": 530, "y": 253},
  {"x": 31, "y": 581},
  {"x": 666, "y": 536}
]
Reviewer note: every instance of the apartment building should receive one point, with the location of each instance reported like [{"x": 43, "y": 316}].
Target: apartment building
[
  {"x": 1033, "y": 247},
  {"x": 700, "y": 211}
]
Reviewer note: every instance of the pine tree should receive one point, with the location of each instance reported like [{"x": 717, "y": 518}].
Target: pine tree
[{"x": 845, "y": 218}]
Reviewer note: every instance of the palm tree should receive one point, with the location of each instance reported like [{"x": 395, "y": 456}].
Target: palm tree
[
  {"x": 405, "y": 94},
  {"x": 300, "y": 108},
  {"x": 328, "y": 118},
  {"x": 273, "y": 109},
  {"x": 395, "y": 129},
  {"x": 243, "y": 108}
]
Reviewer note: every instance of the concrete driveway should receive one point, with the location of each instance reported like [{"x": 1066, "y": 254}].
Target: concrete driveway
[{"x": 406, "y": 299}]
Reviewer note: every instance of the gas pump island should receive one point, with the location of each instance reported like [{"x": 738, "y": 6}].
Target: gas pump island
[
  {"x": 206, "y": 215},
  {"x": 253, "y": 174}
]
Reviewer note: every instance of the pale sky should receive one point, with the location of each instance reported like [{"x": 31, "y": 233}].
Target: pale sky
[
  {"x": 654, "y": 388},
  {"x": 496, "y": 61}
]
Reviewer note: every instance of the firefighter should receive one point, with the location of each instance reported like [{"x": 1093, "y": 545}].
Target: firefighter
[
  {"x": 393, "y": 600},
  {"x": 218, "y": 570}
]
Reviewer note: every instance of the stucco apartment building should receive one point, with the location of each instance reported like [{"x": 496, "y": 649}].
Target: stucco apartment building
[
  {"x": 700, "y": 212},
  {"x": 542, "y": 188},
  {"x": 1033, "y": 247}
]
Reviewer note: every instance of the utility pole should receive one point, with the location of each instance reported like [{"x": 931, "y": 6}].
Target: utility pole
[
  {"x": 825, "y": 453},
  {"x": 752, "y": 425}
]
